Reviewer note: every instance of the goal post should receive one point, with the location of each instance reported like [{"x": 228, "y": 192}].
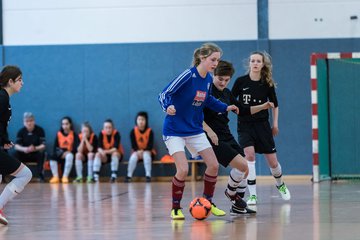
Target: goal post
[{"x": 335, "y": 90}]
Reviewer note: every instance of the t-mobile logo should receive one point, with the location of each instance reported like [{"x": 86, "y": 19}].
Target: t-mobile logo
[{"x": 246, "y": 98}]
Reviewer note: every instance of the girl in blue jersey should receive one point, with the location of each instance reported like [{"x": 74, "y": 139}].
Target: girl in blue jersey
[{"x": 183, "y": 100}]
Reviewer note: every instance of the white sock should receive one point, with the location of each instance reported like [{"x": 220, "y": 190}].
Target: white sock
[
  {"x": 69, "y": 159},
  {"x": 114, "y": 166},
  {"x": 277, "y": 173},
  {"x": 97, "y": 166},
  {"x": 90, "y": 164},
  {"x": 16, "y": 186},
  {"x": 54, "y": 168},
  {"x": 251, "y": 179},
  {"x": 147, "y": 163},
  {"x": 79, "y": 168},
  {"x": 234, "y": 180},
  {"x": 132, "y": 164}
]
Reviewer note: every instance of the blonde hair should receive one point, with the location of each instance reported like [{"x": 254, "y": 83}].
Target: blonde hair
[
  {"x": 266, "y": 71},
  {"x": 204, "y": 51}
]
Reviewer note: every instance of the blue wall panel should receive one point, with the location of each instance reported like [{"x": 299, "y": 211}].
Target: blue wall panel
[{"x": 95, "y": 82}]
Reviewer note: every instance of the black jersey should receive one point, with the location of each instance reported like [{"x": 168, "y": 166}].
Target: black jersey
[
  {"x": 251, "y": 93},
  {"x": 5, "y": 116},
  {"x": 218, "y": 122},
  {"x": 36, "y": 137}
]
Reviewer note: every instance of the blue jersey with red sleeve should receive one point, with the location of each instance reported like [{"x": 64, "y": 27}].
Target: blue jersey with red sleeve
[{"x": 189, "y": 93}]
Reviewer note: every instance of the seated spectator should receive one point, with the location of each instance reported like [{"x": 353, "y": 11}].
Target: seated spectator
[
  {"x": 85, "y": 151},
  {"x": 142, "y": 142},
  {"x": 109, "y": 150},
  {"x": 64, "y": 149},
  {"x": 30, "y": 144}
]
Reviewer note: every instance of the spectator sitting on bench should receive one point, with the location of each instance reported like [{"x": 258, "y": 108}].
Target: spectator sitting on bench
[
  {"x": 109, "y": 150},
  {"x": 65, "y": 145},
  {"x": 142, "y": 142},
  {"x": 30, "y": 144}
]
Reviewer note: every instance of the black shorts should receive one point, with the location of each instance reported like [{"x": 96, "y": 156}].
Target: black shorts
[
  {"x": 8, "y": 164},
  {"x": 30, "y": 157},
  {"x": 256, "y": 134},
  {"x": 226, "y": 151}
]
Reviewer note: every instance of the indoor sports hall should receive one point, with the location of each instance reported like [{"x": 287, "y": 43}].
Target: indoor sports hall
[{"x": 95, "y": 61}]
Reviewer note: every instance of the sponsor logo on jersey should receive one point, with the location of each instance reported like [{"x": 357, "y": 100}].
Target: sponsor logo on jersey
[
  {"x": 246, "y": 98},
  {"x": 244, "y": 89},
  {"x": 199, "y": 98}
]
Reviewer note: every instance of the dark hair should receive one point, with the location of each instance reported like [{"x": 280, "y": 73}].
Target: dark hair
[
  {"x": 144, "y": 115},
  {"x": 224, "y": 68},
  {"x": 87, "y": 125},
  {"x": 7, "y": 73},
  {"x": 69, "y": 120},
  {"x": 205, "y": 51},
  {"x": 109, "y": 121}
]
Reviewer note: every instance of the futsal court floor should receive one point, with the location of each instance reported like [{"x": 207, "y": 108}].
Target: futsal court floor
[{"x": 329, "y": 210}]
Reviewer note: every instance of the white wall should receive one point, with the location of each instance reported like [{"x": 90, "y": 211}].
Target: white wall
[
  {"x": 38, "y": 22},
  {"x": 302, "y": 19}
]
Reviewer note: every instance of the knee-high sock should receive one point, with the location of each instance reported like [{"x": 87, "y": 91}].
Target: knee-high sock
[
  {"x": 79, "y": 168},
  {"x": 54, "y": 168},
  {"x": 16, "y": 186},
  {"x": 277, "y": 173},
  {"x": 97, "y": 166},
  {"x": 242, "y": 188},
  {"x": 147, "y": 163},
  {"x": 132, "y": 164},
  {"x": 90, "y": 165},
  {"x": 177, "y": 192},
  {"x": 209, "y": 186},
  {"x": 234, "y": 180},
  {"x": 114, "y": 166},
  {"x": 251, "y": 179},
  {"x": 69, "y": 160}
]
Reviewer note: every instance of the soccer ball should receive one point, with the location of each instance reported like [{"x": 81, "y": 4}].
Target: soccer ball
[{"x": 200, "y": 208}]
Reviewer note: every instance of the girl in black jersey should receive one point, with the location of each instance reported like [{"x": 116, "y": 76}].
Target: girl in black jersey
[
  {"x": 255, "y": 132},
  {"x": 227, "y": 150},
  {"x": 10, "y": 82}
]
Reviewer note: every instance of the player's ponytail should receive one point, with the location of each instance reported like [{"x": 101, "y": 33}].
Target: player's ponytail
[
  {"x": 7, "y": 73},
  {"x": 204, "y": 51}
]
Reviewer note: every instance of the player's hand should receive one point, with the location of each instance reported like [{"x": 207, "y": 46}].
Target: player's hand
[
  {"x": 8, "y": 145},
  {"x": 275, "y": 130},
  {"x": 171, "y": 110},
  {"x": 233, "y": 108},
  {"x": 101, "y": 151},
  {"x": 31, "y": 149},
  {"x": 268, "y": 105},
  {"x": 140, "y": 154},
  {"x": 214, "y": 138}
]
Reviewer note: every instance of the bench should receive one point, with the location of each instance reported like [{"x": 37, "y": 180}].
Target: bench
[
  {"x": 193, "y": 174},
  {"x": 194, "y": 167}
]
